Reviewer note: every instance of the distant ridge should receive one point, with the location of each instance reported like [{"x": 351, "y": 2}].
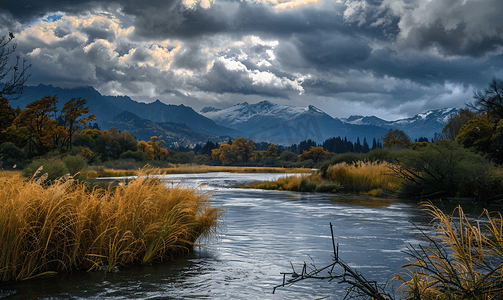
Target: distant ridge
[
  {"x": 174, "y": 134},
  {"x": 421, "y": 125},
  {"x": 107, "y": 107},
  {"x": 263, "y": 121}
]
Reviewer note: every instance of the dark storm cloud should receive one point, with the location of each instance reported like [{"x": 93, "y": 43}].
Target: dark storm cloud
[
  {"x": 191, "y": 58},
  {"x": 96, "y": 32},
  {"x": 327, "y": 51},
  {"x": 373, "y": 51}
]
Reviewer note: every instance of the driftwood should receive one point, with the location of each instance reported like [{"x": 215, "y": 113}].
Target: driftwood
[{"x": 359, "y": 287}]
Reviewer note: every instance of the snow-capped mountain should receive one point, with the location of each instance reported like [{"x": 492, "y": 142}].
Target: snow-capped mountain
[
  {"x": 286, "y": 125},
  {"x": 421, "y": 125}
]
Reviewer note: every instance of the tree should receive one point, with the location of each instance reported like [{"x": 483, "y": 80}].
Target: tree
[
  {"x": 272, "y": 151},
  {"x": 485, "y": 135},
  {"x": 7, "y": 116},
  {"x": 315, "y": 153},
  {"x": 224, "y": 154},
  {"x": 34, "y": 125},
  {"x": 396, "y": 138},
  {"x": 242, "y": 148},
  {"x": 456, "y": 121},
  {"x": 490, "y": 101},
  {"x": 72, "y": 112},
  {"x": 12, "y": 75}
]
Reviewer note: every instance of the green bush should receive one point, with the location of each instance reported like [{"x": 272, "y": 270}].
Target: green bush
[
  {"x": 54, "y": 168},
  {"x": 136, "y": 155},
  {"x": 124, "y": 164},
  {"x": 74, "y": 163},
  {"x": 306, "y": 186},
  {"x": 443, "y": 168},
  {"x": 10, "y": 155},
  {"x": 379, "y": 155},
  {"x": 330, "y": 187}
]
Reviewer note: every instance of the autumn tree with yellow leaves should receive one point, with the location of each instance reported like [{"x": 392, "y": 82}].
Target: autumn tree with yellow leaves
[
  {"x": 315, "y": 153},
  {"x": 396, "y": 138}
]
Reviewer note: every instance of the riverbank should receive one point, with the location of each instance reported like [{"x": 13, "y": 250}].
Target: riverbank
[
  {"x": 97, "y": 172},
  {"x": 371, "y": 178}
]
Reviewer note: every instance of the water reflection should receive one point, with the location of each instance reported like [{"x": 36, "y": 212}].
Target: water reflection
[{"x": 262, "y": 232}]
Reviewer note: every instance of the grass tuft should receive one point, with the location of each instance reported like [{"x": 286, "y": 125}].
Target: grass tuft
[
  {"x": 363, "y": 176},
  {"x": 67, "y": 226}
]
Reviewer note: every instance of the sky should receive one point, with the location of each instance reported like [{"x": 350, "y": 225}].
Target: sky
[{"x": 387, "y": 58}]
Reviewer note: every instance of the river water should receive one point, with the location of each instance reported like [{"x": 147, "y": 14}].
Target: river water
[{"x": 261, "y": 234}]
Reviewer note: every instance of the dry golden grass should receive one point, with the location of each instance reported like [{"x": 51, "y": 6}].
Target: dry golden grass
[
  {"x": 4, "y": 173},
  {"x": 363, "y": 176},
  {"x": 65, "y": 226},
  {"x": 464, "y": 260}
]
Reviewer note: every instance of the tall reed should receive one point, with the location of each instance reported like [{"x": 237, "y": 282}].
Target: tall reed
[
  {"x": 464, "y": 261},
  {"x": 363, "y": 176},
  {"x": 66, "y": 226}
]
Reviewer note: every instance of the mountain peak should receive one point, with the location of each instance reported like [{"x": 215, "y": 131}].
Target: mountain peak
[{"x": 315, "y": 109}]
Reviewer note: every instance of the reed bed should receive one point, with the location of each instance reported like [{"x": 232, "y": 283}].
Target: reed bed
[
  {"x": 66, "y": 226},
  {"x": 10, "y": 173},
  {"x": 363, "y": 176},
  {"x": 464, "y": 260}
]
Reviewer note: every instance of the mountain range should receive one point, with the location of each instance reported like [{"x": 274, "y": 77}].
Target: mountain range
[
  {"x": 284, "y": 124},
  {"x": 263, "y": 121}
]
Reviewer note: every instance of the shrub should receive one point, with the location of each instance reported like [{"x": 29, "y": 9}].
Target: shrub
[
  {"x": 328, "y": 187},
  {"x": 441, "y": 169},
  {"x": 54, "y": 168},
  {"x": 10, "y": 155},
  {"x": 74, "y": 164},
  {"x": 124, "y": 164},
  {"x": 136, "y": 155},
  {"x": 306, "y": 185},
  {"x": 379, "y": 155}
]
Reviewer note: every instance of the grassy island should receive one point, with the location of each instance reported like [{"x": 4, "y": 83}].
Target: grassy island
[{"x": 66, "y": 225}]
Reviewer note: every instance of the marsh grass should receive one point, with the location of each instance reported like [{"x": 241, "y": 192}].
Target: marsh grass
[
  {"x": 464, "y": 261},
  {"x": 363, "y": 176},
  {"x": 67, "y": 226}
]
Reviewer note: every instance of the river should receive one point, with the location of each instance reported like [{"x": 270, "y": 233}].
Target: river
[{"x": 261, "y": 234}]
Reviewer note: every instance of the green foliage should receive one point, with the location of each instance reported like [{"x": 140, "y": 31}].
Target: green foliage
[
  {"x": 440, "y": 169},
  {"x": 74, "y": 163},
  {"x": 288, "y": 156},
  {"x": 124, "y": 164},
  {"x": 328, "y": 187},
  {"x": 379, "y": 155},
  {"x": 136, "y": 155},
  {"x": 54, "y": 168},
  {"x": 10, "y": 155},
  {"x": 306, "y": 185}
]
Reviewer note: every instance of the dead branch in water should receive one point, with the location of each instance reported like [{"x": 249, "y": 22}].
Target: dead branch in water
[{"x": 338, "y": 270}]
